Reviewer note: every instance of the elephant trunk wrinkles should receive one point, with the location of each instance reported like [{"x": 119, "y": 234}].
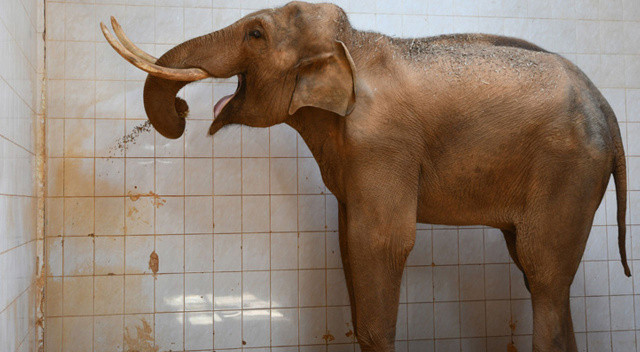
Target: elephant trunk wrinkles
[{"x": 165, "y": 111}]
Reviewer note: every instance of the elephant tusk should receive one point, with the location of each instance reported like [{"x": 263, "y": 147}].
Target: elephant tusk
[
  {"x": 117, "y": 30},
  {"x": 175, "y": 74}
]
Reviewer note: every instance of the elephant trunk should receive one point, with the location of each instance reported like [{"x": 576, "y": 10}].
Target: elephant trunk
[{"x": 214, "y": 53}]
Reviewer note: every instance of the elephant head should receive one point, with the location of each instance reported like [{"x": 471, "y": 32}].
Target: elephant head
[{"x": 285, "y": 59}]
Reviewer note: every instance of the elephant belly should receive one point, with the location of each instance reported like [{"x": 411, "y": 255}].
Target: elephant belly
[{"x": 474, "y": 190}]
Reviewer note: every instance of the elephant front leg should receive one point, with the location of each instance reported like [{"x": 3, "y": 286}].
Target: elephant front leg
[
  {"x": 377, "y": 245},
  {"x": 344, "y": 250}
]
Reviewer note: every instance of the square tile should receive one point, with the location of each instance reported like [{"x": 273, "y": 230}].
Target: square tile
[
  {"x": 256, "y": 251},
  {"x": 198, "y": 253},
  {"x": 199, "y": 330},
  {"x": 169, "y": 293},
  {"x": 255, "y": 327},
  {"x": 255, "y": 291},
  {"x": 255, "y": 176},
  {"x": 227, "y": 292},
  {"x": 169, "y": 328},
  {"x": 109, "y": 294},
  {"x": 228, "y": 327},
  {"x": 227, "y": 252},
  {"x": 108, "y": 333},
  {"x": 198, "y": 292},
  {"x": 138, "y": 294},
  {"x": 75, "y": 335}
]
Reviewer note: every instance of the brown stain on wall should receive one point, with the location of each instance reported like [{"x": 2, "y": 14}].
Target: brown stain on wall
[
  {"x": 157, "y": 200},
  {"x": 132, "y": 211},
  {"x": 154, "y": 262},
  {"x": 142, "y": 342},
  {"x": 41, "y": 194},
  {"x": 40, "y": 297},
  {"x": 328, "y": 337},
  {"x": 511, "y": 347}
]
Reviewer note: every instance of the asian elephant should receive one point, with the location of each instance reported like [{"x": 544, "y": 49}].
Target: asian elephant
[{"x": 465, "y": 129}]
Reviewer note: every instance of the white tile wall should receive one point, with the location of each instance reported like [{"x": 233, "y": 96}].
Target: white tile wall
[
  {"x": 243, "y": 227},
  {"x": 19, "y": 69}
]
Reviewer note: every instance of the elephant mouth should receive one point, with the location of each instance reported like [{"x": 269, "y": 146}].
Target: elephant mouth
[{"x": 217, "y": 109}]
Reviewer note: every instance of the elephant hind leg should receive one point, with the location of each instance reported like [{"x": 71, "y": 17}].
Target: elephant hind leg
[
  {"x": 510, "y": 238},
  {"x": 550, "y": 254}
]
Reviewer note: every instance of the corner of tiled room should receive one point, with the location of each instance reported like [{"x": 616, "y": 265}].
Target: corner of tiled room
[{"x": 243, "y": 229}]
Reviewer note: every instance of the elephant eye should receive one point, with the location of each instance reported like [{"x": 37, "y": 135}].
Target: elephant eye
[{"x": 255, "y": 33}]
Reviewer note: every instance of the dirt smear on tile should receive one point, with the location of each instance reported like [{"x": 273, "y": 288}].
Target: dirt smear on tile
[
  {"x": 157, "y": 200},
  {"x": 40, "y": 301},
  {"x": 328, "y": 337},
  {"x": 511, "y": 347},
  {"x": 143, "y": 342},
  {"x": 154, "y": 262}
]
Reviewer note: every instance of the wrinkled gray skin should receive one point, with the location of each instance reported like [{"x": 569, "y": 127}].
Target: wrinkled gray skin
[{"x": 456, "y": 130}]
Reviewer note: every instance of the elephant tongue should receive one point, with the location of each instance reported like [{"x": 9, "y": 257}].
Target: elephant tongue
[
  {"x": 224, "y": 100},
  {"x": 220, "y": 104}
]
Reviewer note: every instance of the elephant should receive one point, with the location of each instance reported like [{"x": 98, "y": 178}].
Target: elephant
[{"x": 460, "y": 129}]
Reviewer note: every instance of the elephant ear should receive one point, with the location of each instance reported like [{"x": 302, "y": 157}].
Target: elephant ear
[{"x": 326, "y": 81}]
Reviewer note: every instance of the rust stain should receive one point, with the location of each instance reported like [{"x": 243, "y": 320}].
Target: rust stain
[
  {"x": 143, "y": 342},
  {"x": 40, "y": 297},
  {"x": 132, "y": 211},
  {"x": 328, "y": 337},
  {"x": 157, "y": 200},
  {"x": 349, "y": 333},
  {"x": 154, "y": 262},
  {"x": 511, "y": 347},
  {"x": 513, "y": 325}
]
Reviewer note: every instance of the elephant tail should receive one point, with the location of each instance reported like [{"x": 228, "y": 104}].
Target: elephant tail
[{"x": 620, "y": 179}]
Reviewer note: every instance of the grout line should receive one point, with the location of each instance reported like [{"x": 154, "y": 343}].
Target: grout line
[
  {"x": 15, "y": 143},
  {"x": 433, "y": 289},
  {"x": 484, "y": 286},
  {"x": 213, "y": 229},
  {"x": 606, "y": 222},
  {"x": 629, "y": 233},
  {"x": 125, "y": 220},
  {"x": 155, "y": 209},
  {"x": 298, "y": 239},
  {"x": 242, "y": 233},
  {"x": 93, "y": 238},
  {"x": 270, "y": 235},
  {"x": 64, "y": 191}
]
